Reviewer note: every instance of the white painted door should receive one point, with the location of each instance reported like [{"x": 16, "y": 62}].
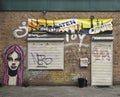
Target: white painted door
[{"x": 101, "y": 63}]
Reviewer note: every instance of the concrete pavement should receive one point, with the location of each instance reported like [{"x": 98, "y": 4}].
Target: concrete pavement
[{"x": 59, "y": 91}]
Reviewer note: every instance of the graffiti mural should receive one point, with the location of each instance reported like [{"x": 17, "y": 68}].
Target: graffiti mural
[
  {"x": 71, "y": 28},
  {"x": 13, "y": 65}
]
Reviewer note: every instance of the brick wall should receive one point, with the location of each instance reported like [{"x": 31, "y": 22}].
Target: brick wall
[{"x": 11, "y": 20}]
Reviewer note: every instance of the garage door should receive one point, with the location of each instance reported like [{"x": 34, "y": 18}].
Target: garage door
[
  {"x": 101, "y": 63},
  {"x": 48, "y": 54}
]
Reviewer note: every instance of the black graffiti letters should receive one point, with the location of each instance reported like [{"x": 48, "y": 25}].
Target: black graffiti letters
[
  {"x": 104, "y": 27},
  {"x": 41, "y": 59},
  {"x": 67, "y": 23}
]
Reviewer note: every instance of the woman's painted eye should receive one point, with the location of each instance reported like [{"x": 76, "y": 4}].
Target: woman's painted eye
[
  {"x": 9, "y": 58},
  {"x": 17, "y": 59}
]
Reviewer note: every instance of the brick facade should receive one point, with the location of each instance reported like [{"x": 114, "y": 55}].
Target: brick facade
[{"x": 11, "y": 20}]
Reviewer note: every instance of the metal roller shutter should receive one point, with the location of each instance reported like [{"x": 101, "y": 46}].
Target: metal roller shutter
[{"x": 102, "y": 61}]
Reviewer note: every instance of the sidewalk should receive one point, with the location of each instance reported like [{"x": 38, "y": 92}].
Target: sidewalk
[{"x": 60, "y": 91}]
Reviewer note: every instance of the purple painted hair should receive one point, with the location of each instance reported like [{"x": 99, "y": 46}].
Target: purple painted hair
[{"x": 9, "y": 51}]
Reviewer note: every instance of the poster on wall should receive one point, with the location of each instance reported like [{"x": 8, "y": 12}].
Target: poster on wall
[{"x": 69, "y": 26}]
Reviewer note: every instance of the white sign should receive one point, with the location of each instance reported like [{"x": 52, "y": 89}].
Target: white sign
[{"x": 83, "y": 62}]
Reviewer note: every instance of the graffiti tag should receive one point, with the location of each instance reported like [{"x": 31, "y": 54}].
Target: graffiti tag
[
  {"x": 21, "y": 29},
  {"x": 75, "y": 36},
  {"x": 101, "y": 54},
  {"x": 41, "y": 59}
]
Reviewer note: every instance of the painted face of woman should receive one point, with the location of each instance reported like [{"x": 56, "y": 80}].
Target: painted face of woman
[{"x": 13, "y": 61}]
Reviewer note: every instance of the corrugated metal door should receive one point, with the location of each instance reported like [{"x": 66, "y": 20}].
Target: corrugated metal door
[
  {"x": 101, "y": 64},
  {"x": 46, "y": 55}
]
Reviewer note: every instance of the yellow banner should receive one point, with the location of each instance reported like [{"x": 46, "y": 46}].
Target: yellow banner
[{"x": 69, "y": 25}]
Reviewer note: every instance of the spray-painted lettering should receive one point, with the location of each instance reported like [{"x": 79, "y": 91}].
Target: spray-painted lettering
[
  {"x": 101, "y": 54},
  {"x": 22, "y": 31},
  {"x": 41, "y": 59},
  {"x": 75, "y": 36}
]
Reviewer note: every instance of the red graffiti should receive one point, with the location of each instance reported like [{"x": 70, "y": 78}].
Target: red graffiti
[{"x": 101, "y": 54}]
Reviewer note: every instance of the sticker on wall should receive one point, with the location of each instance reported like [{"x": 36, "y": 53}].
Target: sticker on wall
[
  {"x": 13, "y": 65},
  {"x": 84, "y": 62}
]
